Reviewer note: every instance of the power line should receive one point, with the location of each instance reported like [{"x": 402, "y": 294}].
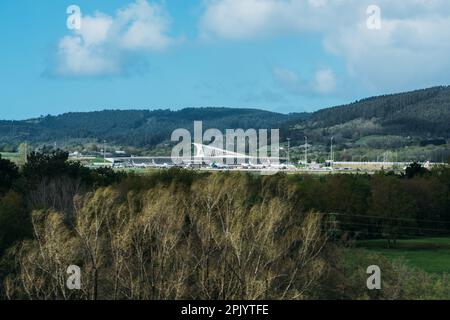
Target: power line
[
  {"x": 366, "y": 232},
  {"x": 401, "y": 227},
  {"x": 387, "y": 218}
]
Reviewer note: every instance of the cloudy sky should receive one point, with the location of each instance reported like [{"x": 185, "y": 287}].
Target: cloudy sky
[{"x": 280, "y": 55}]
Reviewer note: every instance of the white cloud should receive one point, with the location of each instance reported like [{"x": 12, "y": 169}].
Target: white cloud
[
  {"x": 323, "y": 82},
  {"x": 77, "y": 58},
  {"x": 104, "y": 43},
  {"x": 95, "y": 29},
  {"x": 288, "y": 79},
  {"x": 411, "y": 49},
  {"x": 144, "y": 26},
  {"x": 238, "y": 19},
  {"x": 245, "y": 19},
  {"x": 404, "y": 54}
]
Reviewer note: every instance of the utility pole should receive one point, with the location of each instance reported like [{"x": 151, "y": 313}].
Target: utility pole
[
  {"x": 306, "y": 151},
  {"x": 289, "y": 151},
  {"x": 332, "y": 155}
]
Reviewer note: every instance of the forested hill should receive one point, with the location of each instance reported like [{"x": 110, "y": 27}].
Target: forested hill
[
  {"x": 422, "y": 112},
  {"x": 389, "y": 121},
  {"x": 134, "y": 127}
]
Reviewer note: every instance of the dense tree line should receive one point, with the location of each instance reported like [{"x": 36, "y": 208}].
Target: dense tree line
[
  {"x": 422, "y": 111},
  {"x": 416, "y": 118},
  {"x": 422, "y": 114},
  {"x": 384, "y": 205},
  {"x": 178, "y": 234},
  {"x": 47, "y": 180},
  {"x": 141, "y": 128}
]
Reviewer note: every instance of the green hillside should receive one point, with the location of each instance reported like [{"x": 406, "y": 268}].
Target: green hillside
[
  {"x": 408, "y": 123},
  {"x": 411, "y": 125},
  {"x": 423, "y": 113},
  {"x": 140, "y": 128}
]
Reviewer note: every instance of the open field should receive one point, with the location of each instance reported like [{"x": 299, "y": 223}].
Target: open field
[
  {"x": 6, "y": 155},
  {"x": 429, "y": 254},
  {"x": 14, "y": 157}
]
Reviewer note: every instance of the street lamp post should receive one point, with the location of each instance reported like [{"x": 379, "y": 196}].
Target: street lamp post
[
  {"x": 331, "y": 151},
  {"x": 306, "y": 151},
  {"x": 289, "y": 151}
]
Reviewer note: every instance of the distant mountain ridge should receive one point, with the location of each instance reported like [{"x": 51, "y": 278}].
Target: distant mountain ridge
[
  {"x": 142, "y": 128},
  {"x": 417, "y": 115},
  {"x": 422, "y": 113}
]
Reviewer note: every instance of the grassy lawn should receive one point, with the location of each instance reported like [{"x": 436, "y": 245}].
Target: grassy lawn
[
  {"x": 14, "y": 157},
  {"x": 9, "y": 155},
  {"x": 99, "y": 160},
  {"x": 429, "y": 254}
]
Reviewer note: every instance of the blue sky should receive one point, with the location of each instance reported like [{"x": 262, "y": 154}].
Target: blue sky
[{"x": 280, "y": 55}]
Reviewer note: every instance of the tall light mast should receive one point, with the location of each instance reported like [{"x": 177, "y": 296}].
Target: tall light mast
[
  {"x": 306, "y": 151},
  {"x": 289, "y": 151},
  {"x": 332, "y": 155}
]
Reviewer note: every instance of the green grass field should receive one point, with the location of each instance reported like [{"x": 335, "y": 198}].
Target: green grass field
[
  {"x": 14, "y": 157},
  {"x": 99, "y": 160},
  {"x": 9, "y": 154},
  {"x": 429, "y": 254}
]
